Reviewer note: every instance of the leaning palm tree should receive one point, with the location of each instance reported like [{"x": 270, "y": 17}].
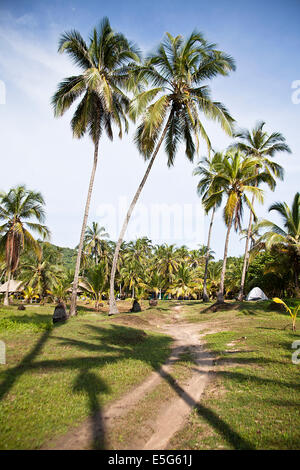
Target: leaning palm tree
[
  {"x": 170, "y": 110},
  {"x": 104, "y": 65},
  {"x": 18, "y": 208},
  {"x": 208, "y": 169},
  {"x": 261, "y": 145},
  {"x": 236, "y": 178},
  {"x": 287, "y": 238}
]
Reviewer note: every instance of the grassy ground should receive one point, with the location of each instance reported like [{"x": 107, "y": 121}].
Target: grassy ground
[
  {"x": 253, "y": 398},
  {"x": 56, "y": 376}
]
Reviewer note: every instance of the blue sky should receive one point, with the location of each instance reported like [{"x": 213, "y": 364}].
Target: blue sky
[{"x": 36, "y": 149}]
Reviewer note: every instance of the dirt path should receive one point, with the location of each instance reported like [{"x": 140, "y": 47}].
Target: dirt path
[{"x": 172, "y": 417}]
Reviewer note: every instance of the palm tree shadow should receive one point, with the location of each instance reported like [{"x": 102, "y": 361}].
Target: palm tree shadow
[
  {"x": 13, "y": 374},
  {"x": 92, "y": 385},
  {"x": 231, "y": 436}
]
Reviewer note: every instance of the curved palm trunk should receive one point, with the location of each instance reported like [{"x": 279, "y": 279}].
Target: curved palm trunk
[
  {"x": 246, "y": 256},
  {"x": 220, "y": 296},
  {"x": 205, "y": 295},
  {"x": 112, "y": 301},
  {"x": 73, "y": 305}
]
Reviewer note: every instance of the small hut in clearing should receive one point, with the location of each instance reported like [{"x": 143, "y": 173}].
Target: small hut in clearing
[{"x": 14, "y": 286}]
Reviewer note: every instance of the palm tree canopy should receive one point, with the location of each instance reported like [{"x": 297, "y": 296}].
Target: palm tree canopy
[
  {"x": 258, "y": 143},
  {"x": 236, "y": 177},
  {"x": 95, "y": 242},
  {"x": 290, "y": 234},
  {"x": 208, "y": 170},
  {"x": 177, "y": 71},
  {"x": 22, "y": 211},
  {"x": 105, "y": 65}
]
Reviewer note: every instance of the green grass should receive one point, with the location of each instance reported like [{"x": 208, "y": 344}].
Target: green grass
[
  {"x": 252, "y": 401},
  {"x": 56, "y": 376}
]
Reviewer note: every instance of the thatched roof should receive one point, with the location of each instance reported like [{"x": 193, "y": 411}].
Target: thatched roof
[
  {"x": 14, "y": 286},
  {"x": 81, "y": 287}
]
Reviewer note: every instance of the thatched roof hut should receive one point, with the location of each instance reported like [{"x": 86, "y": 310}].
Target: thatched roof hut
[{"x": 14, "y": 286}]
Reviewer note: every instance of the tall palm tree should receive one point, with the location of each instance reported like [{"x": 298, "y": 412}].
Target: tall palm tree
[
  {"x": 208, "y": 169},
  {"x": 19, "y": 207},
  {"x": 261, "y": 145},
  {"x": 94, "y": 241},
  {"x": 287, "y": 238},
  {"x": 236, "y": 178},
  {"x": 170, "y": 110},
  {"x": 104, "y": 65}
]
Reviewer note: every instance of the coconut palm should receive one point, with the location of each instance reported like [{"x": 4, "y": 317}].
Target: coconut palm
[
  {"x": 287, "y": 238},
  {"x": 20, "y": 209},
  {"x": 104, "y": 73},
  {"x": 208, "y": 169},
  {"x": 29, "y": 294},
  {"x": 170, "y": 110},
  {"x": 133, "y": 277},
  {"x": 40, "y": 273},
  {"x": 237, "y": 177},
  {"x": 95, "y": 282},
  {"x": 261, "y": 145},
  {"x": 168, "y": 260},
  {"x": 94, "y": 241},
  {"x": 185, "y": 283}
]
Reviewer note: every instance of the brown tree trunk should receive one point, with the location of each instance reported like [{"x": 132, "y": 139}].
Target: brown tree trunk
[
  {"x": 205, "y": 296},
  {"x": 112, "y": 301},
  {"x": 246, "y": 256},
  {"x": 73, "y": 306},
  {"x": 9, "y": 267},
  {"x": 220, "y": 296},
  {"x": 6, "y": 297}
]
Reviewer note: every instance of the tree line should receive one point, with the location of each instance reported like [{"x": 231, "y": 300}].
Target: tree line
[{"x": 166, "y": 95}]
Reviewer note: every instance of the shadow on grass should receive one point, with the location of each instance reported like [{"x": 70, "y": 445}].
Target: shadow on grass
[
  {"x": 231, "y": 436},
  {"x": 92, "y": 385},
  {"x": 119, "y": 343}
]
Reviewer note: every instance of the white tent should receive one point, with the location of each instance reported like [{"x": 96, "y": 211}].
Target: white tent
[{"x": 256, "y": 294}]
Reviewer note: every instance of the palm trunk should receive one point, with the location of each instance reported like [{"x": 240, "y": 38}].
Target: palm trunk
[
  {"x": 247, "y": 252},
  {"x": 9, "y": 265},
  {"x": 205, "y": 296},
  {"x": 112, "y": 301},
  {"x": 246, "y": 256},
  {"x": 6, "y": 297},
  {"x": 73, "y": 306},
  {"x": 220, "y": 296}
]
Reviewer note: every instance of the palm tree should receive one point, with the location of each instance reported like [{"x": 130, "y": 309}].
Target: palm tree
[
  {"x": 170, "y": 110},
  {"x": 105, "y": 70},
  {"x": 208, "y": 169},
  {"x": 94, "y": 243},
  {"x": 287, "y": 238},
  {"x": 95, "y": 282},
  {"x": 168, "y": 260},
  {"x": 185, "y": 283},
  {"x": 236, "y": 178},
  {"x": 18, "y": 208},
  {"x": 260, "y": 145},
  {"x": 29, "y": 294},
  {"x": 40, "y": 273}
]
